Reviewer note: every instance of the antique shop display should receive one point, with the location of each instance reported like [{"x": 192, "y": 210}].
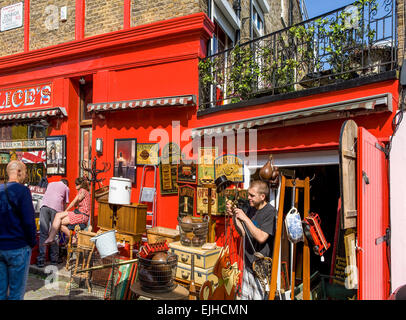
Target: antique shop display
[
  {"x": 314, "y": 234},
  {"x": 227, "y": 275},
  {"x": 170, "y": 157},
  {"x": 193, "y": 231},
  {"x": 148, "y": 154},
  {"x": 206, "y": 158},
  {"x": 187, "y": 198},
  {"x": 230, "y": 166},
  {"x": 56, "y": 155},
  {"x": 202, "y": 201},
  {"x": 270, "y": 173},
  {"x": 157, "y": 234},
  {"x": 130, "y": 219},
  {"x": 157, "y": 272},
  {"x": 187, "y": 172},
  {"x": 125, "y": 159}
]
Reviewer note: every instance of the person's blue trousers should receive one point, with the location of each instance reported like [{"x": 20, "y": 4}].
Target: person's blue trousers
[{"x": 14, "y": 267}]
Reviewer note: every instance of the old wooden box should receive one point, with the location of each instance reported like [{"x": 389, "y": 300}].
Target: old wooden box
[
  {"x": 203, "y": 258},
  {"x": 130, "y": 219},
  {"x": 157, "y": 234},
  {"x": 183, "y": 272}
]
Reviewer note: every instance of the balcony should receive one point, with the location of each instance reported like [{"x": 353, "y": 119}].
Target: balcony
[{"x": 353, "y": 42}]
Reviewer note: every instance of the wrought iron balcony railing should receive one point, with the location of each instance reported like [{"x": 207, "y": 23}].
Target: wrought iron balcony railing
[{"x": 354, "y": 41}]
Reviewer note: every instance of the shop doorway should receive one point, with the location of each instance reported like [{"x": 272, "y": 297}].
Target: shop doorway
[
  {"x": 85, "y": 122},
  {"x": 324, "y": 199}
]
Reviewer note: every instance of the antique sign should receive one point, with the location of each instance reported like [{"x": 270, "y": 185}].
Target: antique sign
[
  {"x": 35, "y": 172},
  {"x": 231, "y": 166},
  {"x": 187, "y": 172},
  {"x": 169, "y": 160},
  {"x": 187, "y": 196},
  {"x": 206, "y": 164},
  {"x": 202, "y": 203},
  {"x": 171, "y": 153},
  {"x": 147, "y": 154},
  {"x": 25, "y": 98},
  {"x": 23, "y": 144}
]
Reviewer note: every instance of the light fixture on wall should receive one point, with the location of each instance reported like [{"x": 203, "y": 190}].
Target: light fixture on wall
[
  {"x": 82, "y": 81},
  {"x": 99, "y": 145}
]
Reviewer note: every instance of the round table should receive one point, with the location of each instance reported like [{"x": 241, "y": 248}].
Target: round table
[{"x": 178, "y": 293}]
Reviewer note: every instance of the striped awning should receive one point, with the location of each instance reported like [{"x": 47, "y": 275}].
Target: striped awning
[
  {"x": 34, "y": 114},
  {"x": 377, "y": 103},
  {"x": 180, "y": 101}
]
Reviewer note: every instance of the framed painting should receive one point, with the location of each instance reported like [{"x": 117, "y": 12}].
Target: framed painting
[
  {"x": 125, "y": 158},
  {"x": 56, "y": 155},
  {"x": 187, "y": 172},
  {"x": 147, "y": 154}
]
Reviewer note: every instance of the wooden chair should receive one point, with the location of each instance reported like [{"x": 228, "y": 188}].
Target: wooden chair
[
  {"x": 70, "y": 246},
  {"x": 84, "y": 252}
]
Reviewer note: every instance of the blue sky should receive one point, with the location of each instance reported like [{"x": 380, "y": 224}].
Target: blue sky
[{"x": 317, "y": 7}]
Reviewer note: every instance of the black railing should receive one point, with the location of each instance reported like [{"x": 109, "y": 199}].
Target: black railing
[{"x": 354, "y": 41}]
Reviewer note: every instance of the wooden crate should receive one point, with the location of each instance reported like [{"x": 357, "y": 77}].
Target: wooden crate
[
  {"x": 157, "y": 234},
  {"x": 131, "y": 219}
]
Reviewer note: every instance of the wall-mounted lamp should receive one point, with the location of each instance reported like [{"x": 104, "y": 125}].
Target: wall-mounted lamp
[
  {"x": 82, "y": 81},
  {"x": 99, "y": 145}
]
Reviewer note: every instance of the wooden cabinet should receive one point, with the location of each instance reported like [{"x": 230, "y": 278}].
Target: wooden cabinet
[{"x": 129, "y": 219}]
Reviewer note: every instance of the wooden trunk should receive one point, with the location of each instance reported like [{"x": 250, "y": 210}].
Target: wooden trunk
[{"x": 129, "y": 219}]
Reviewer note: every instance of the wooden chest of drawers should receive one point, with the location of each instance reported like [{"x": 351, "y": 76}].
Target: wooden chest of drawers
[
  {"x": 203, "y": 258},
  {"x": 129, "y": 219},
  {"x": 183, "y": 272}
]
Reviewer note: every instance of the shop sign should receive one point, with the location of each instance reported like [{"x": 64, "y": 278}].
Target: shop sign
[
  {"x": 187, "y": 196},
  {"x": 11, "y": 17},
  {"x": 187, "y": 172},
  {"x": 22, "y": 144},
  {"x": 231, "y": 166},
  {"x": 25, "y": 98},
  {"x": 202, "y": 203},
  {"x": 206, "y": 164}
]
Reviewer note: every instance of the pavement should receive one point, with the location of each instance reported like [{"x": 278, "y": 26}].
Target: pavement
[{"x": 52, "y": 283}]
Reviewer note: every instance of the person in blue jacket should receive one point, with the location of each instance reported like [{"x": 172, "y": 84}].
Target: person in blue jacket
[{"x": 17, "y": 232}]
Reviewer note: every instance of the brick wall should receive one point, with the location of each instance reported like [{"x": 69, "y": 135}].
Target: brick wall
[
  {"x": 104, "y": 16},
  {"x": 11, "y": 41},
  {"x": 147, "y": 11},
  {"x": 46, "y": 27}
]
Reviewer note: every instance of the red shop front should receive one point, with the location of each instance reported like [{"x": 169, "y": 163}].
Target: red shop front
[
  {"x": 308, "y": 138},
  {"x": 70, "y": 94}
]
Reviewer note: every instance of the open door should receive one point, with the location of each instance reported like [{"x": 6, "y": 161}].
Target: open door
[
  {"x": 373, "y": 218},
  {"x": 365, "y": 212}
]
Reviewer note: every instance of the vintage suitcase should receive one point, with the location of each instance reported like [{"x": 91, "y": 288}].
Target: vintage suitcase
[
  {"x": 183, "y": 272},
  {"x": 157, "y": 234},
  {"x": 203, "y": 258}
]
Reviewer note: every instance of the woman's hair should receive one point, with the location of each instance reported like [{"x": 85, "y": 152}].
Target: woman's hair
[{"x": 82, "y": 182}]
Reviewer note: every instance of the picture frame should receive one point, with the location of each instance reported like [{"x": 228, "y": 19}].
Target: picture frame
[
  {"x": 187, "y": 172},
  {"x": 125, "y": 165},
  {"x": 55, "y": 155},
  {"x": 148, "y": 154}
]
